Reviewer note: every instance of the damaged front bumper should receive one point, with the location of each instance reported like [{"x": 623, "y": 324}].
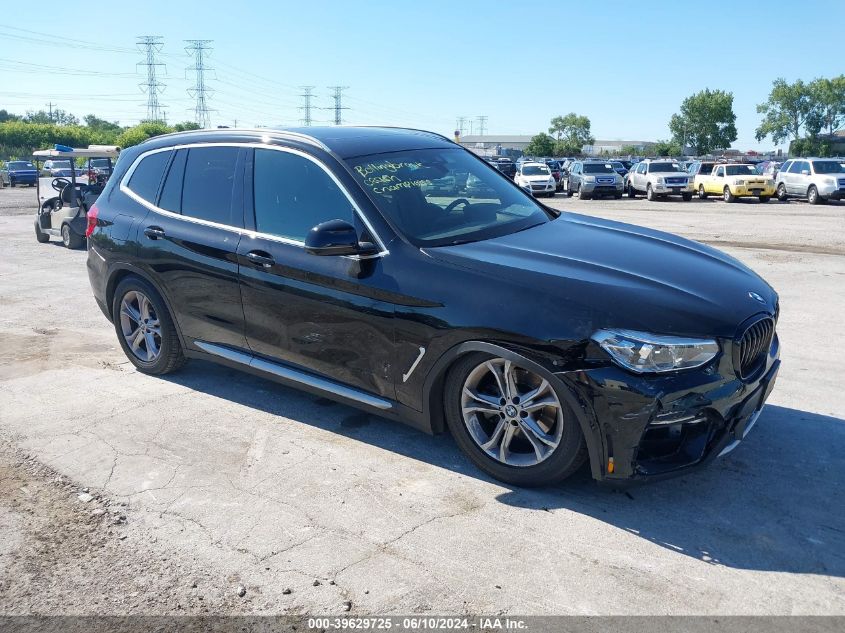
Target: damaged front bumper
[{"x": 649, "y": 426}]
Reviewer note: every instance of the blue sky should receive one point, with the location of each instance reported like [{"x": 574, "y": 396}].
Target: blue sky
[{"x": 626, "y": 65}]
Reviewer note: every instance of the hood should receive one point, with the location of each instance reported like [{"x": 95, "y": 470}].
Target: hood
[
  {"x": 597, "y": 273},
  {"x": 670, "y": 174}
]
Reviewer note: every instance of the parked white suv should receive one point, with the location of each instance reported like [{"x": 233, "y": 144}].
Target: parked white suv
[
  {"x": 536, "y": 176},
  {"x": 658, "y": 179},
  {"x": 817, "y": 179}
]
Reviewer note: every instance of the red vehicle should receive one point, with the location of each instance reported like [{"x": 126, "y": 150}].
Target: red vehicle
[{"x": 554, "y": 167}]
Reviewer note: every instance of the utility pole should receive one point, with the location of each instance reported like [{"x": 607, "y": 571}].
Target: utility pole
[
  {"x": 151, "y": 45},
  {"x": 50, "y": 106},
  {"x": 307, "y": 95},
  {"x": 338, "y": 108},
  {"x": 482, "y": 125},
  {"x": 198, "y": 49}
]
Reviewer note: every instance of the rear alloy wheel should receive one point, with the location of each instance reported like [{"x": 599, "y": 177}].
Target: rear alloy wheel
[
  {"x": 782, "y": 192},
  {"x": 813, "y": 196},
  {"x": 511, "y": 422},
  {"x": 701, "y": 193},
  {"x": 728, "y": 196},
  {"x": 69, "y": 238},
  {"x": 145, "y": 329}
]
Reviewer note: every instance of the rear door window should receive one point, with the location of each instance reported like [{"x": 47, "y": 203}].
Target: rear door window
[
  {"x": 146, "y": 178},
  {"x": 171, "y": 192},
  {"x": 208, "y": 184}
]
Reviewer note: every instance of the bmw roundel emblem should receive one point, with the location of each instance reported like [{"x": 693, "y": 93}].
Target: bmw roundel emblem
[{"x": 756, "y": 297}]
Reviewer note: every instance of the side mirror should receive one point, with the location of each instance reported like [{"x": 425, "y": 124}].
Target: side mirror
[
  {"x": 336, "y": 237},
  {"x": 805, "y": 172}
]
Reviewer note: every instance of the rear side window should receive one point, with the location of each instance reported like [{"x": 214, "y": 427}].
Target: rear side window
[
  {"x": 293, "y": 194},
  {"x": 146, "y": 178},
  {"x": 208, "y": 183}
]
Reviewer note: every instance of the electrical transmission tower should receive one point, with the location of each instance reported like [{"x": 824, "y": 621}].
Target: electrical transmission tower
[
  {"x": 462, "y": 120},
  {"x": 307, "y": 95},
  {"x": 482, "y": 125},
  {"x": 151, "y": 45},
  {"x": 198, "y": 49},
  {"x": 338, "y": 107}
]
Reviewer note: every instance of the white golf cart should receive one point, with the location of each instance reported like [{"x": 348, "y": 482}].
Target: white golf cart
[{"x": 63, "y": 202}]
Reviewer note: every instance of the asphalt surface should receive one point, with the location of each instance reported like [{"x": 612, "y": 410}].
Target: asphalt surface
[{"x": 230, "y": 481}]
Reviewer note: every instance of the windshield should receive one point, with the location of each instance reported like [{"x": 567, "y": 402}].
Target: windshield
[
  {"x": 664, "y": 167},
  {"x": 598, "y": 168},
  {"x": 535, "y": 170},
  {"x": 60, "y": 164},
  {"x": 482, "y": 203},
  {"x": 553, "y": 165},
  {"x": 740, "y": 170},
  {"x": 19, "y": 164},
  {"x": 99, "y": 162},
  {"x": 828, "y": 167},
  {"x": 616, "y": 165}
]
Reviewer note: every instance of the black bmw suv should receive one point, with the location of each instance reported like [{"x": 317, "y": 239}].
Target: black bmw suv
[{"x": 322, "y": 258}]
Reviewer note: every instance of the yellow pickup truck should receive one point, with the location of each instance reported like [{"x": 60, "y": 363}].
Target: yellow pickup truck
[{"x": 732, "y": 181}]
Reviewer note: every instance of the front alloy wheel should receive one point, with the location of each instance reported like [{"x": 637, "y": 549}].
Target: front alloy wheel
[{"x": 511, "y": 421}]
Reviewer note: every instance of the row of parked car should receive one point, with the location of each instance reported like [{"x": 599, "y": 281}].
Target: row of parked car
[
  {"x": 23, "y": 172},
  {"x": 816, "y": 179}
]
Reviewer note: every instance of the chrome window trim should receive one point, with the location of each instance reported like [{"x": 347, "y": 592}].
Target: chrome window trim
[{"x": 124, "y": 187}]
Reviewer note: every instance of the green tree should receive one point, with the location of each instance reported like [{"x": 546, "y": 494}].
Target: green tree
[
  {"x": 540, "y": 145},
  {"x": 185, "y": 126},
  {"x": 828, "y": 105},
  {"x": 665, "y": 148},
  {"x": 631, "y": 150},
  {"x": 785, "y": 112},
  {"x": 58, "y": 117},
  {"x": 706, "y": 121},
  {"x": 8, "y": 116},
  {"x": 141, "y": 132},
  {"x": 572, "y": 131}
]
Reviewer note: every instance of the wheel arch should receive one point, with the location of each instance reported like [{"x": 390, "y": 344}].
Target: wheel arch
[
  {"x": 121, "y": 272},
  {"x": 434, "y": 405}
]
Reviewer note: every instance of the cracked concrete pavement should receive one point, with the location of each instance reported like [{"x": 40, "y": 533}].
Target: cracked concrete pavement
[{"x": 242, "y": 481}]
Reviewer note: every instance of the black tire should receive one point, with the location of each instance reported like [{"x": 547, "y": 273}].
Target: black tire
[
  {"x": 813, "y": 196},
  {"x": 11, "y": 183},
  {"x": 764, "y": 198},
  {"x": 171, "y": 357},
  {"x": 70, "y": 239},
  {"x": 42, "y": 237},
  {"x": 686, "y": 196},
  {"x": 727, "y": 195},
  {"x": 632, "y": 193},
  {"x": 618, "y": 196},
  {"x": 702, "y": 195},
  {"x": 781, "y": 192},
  {"x": 582, "y": 196},
  {"x": 566, "y": 459},
  {"x": 649, "y": 193}
]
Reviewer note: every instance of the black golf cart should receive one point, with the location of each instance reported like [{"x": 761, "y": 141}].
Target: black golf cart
[{"x": 63, "y": 202}]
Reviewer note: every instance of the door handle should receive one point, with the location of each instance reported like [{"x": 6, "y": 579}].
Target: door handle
[
  {"x": 154, "y": 232},
  {"x": 260, "y": 258}
]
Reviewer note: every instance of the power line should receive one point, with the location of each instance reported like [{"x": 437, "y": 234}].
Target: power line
[
  {"x": 307, "y": 95},
  {"x": 151, "y": 45},
  {"x": 199, "y": 48},
  {"x": 338, "y": 107}
]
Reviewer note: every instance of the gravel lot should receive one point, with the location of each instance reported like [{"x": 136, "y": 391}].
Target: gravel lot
[{"x": 211, "y": 481}]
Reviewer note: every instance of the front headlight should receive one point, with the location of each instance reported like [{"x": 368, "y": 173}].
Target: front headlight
[
  {"x": 642, "y": 352},
  {"x": 830, "y": 181},
  {"x": 740, "y": 182},
  {"x": 770, "y": 183},
  {"x": 660, "y": 180},
  {"x": 589, "y": 178}
]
